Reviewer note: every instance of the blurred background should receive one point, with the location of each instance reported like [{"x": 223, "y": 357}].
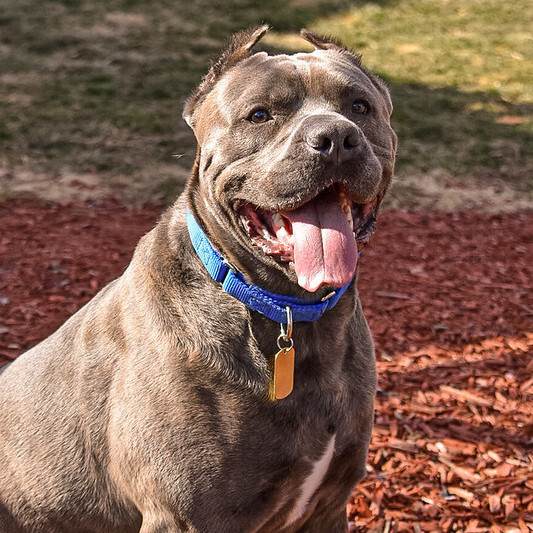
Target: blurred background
[{"x": 91, "y": 91}]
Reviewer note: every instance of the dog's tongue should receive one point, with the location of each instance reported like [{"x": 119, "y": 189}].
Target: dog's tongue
[{"x": 325, "y": 251}]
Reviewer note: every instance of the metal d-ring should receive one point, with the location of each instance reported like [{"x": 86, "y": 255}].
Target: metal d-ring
[{"x": 286, "y": 335}]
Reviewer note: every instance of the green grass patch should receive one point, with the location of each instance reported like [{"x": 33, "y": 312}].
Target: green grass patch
[
  {"x": 98, "y": 86},
  {"x": 460, "y": 77}
]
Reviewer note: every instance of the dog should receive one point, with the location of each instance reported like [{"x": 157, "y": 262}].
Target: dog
[{"x": 225, "y": 382}]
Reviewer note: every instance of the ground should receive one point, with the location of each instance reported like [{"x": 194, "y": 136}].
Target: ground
[{"x": 448, "y": 298}]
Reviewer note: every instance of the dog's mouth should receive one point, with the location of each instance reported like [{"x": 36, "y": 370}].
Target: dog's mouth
[{"x": 319, "y": 240}]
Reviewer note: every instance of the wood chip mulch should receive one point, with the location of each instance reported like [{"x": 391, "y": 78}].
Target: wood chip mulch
[{"x": 449, "y": 300}]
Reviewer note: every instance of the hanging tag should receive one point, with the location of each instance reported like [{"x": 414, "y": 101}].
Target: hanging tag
[
  {"x": 282, "y": 364},
  {"x": 282, "y": 368}
]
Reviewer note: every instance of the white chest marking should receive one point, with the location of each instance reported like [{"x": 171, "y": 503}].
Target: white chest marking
[{"x": 312, "y": 482}]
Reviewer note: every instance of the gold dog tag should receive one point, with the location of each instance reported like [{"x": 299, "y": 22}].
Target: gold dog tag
[{"x": 282, "y": 367}]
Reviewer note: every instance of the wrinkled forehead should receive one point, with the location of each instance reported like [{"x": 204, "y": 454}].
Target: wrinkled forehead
[{"x": 320, "y": 73}]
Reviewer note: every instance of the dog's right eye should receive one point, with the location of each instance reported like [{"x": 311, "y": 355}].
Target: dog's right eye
[
  {"x": 360, "y": 107},
  {"x": 260, "y": 116}
]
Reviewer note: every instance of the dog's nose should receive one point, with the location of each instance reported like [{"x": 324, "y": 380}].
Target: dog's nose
[{"x": 336, "y": 141}]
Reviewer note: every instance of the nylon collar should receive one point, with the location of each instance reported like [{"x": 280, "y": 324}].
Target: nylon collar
[{"x": 267, "y": 303}]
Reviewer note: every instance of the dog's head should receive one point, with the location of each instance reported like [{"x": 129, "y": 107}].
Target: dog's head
[{"x": 295, "y": 153}]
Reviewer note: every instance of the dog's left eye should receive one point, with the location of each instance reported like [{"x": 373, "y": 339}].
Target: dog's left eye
[
  {"x": 260, "y": 116},
  {"x": 360, "y": 107}
]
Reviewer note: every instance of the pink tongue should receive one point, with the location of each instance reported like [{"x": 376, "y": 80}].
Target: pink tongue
[{"x": 325, "y": 251}]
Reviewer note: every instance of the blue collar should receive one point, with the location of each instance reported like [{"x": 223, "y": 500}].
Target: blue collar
[{"x": 267, "y": 303}]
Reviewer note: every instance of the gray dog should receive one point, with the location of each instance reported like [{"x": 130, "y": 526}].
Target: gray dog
[{"x": 225, "y": 382}]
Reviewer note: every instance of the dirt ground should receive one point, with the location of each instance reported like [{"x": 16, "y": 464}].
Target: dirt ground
[{"x": 449, "y": 300}]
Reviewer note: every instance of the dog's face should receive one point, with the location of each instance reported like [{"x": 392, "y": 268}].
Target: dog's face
[{"x": 295, "y": 155}]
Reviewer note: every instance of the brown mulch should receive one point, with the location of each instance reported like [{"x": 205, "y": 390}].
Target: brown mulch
[{"x": 448, "y": 298}]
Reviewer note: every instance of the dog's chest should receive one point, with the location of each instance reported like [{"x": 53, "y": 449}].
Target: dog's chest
[{"x": 311, "y": 482}]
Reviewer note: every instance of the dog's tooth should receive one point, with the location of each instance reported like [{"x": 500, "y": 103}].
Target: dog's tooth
[
  {"x": 348, "y": 212},
  {"x": 246, "y": 224},
  {"x": 282, "y": 233},
  {"x": 276, "y": 219}
]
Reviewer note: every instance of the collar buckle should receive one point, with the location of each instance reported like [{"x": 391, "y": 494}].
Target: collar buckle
[{"x": 328, "y": 296}]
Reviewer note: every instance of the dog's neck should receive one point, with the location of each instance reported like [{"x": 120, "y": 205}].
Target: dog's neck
[{"x": 272, "y": 305}]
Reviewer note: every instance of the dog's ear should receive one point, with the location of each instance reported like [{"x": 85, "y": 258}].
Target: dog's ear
[
  {"x": 239, "y": 48},
  {"x": 328, "y": 43}
]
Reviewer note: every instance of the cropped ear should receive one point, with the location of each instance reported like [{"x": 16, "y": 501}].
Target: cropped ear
[
  {"x": 239, "y": 48},
  {"x": 328, "y": 43}
]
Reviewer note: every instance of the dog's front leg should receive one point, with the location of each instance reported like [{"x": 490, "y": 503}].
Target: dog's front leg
[
  {"x": 160, "y": 521},
  {"x": 330, "y": 522},
  {"x": 160, "y": 526}
]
